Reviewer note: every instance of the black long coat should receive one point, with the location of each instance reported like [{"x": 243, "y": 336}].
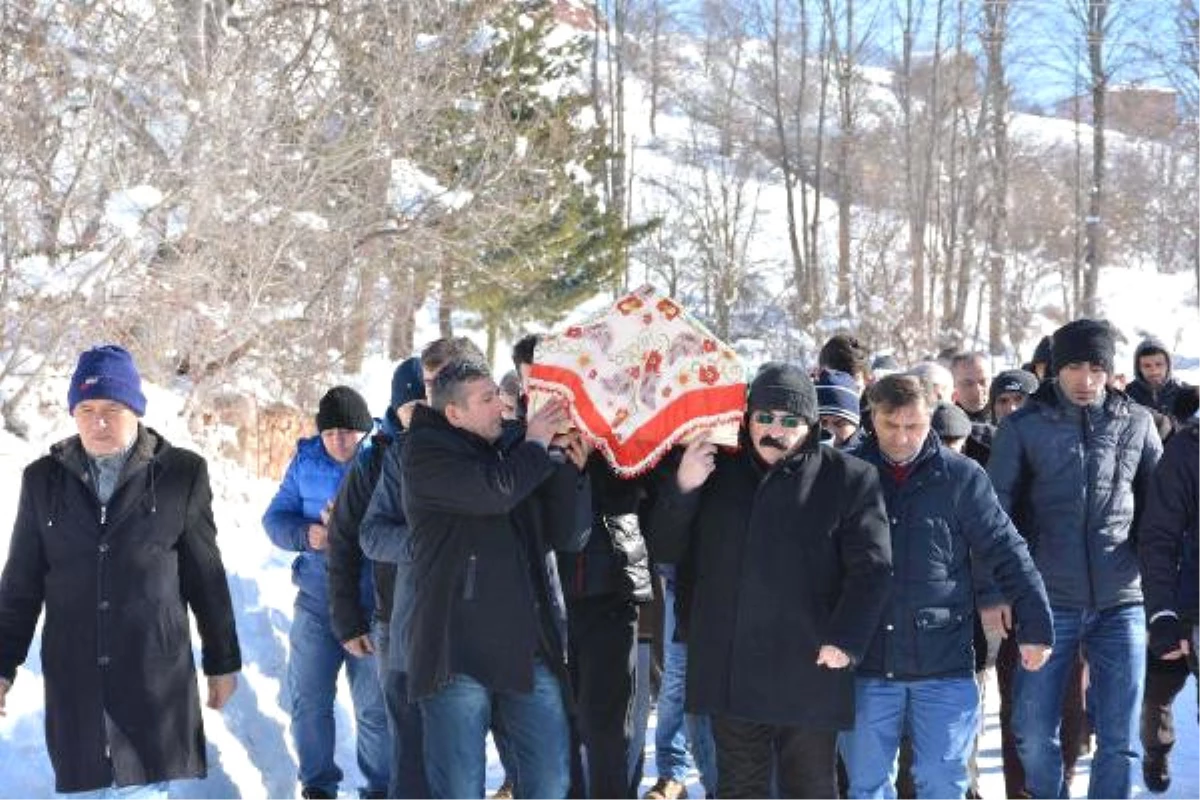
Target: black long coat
[
  {"x": 786, "y": 559},
  {"x": 116, "y": 583}
]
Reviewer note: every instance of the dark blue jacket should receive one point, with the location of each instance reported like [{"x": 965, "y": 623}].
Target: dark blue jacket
[
  {"x": 1169, "y": 533},
  {"x": 311, "y": 481},
  {"x": 944, "y": 515},
  {"x": 1073, "y": 480},
  {"x": 386, "y": 539}
]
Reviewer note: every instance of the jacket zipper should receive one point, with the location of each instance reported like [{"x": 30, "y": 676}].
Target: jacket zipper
[
  {"x": 1085, "y": 430},
  {"x": 100, "y": 645}
]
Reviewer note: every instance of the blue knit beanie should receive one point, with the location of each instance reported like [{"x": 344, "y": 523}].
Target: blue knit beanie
[
  {"x": 837, "y": 395},
  {"x": 107, "y": 373},
  {"x": 408, "y": 382}
]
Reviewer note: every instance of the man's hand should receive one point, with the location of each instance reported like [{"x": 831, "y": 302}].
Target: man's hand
[
  {"x": 996, "y": 619},
  {"x": 4, "y": 687},
  {"x": 359, "y": 646},
  {"x": 699, "y": 460},
  {"x": 404, "y": 413},
  {"x": 546, "y": 422},
  {"x": 1034, "y": 656},
  {"x": 1168, "y": 638},
  {"x": 573, "y": 447},
  {"x": 220, "y": 689},
  {"x": 318, "y": 536},
  {"x": 832, "y": 657}
]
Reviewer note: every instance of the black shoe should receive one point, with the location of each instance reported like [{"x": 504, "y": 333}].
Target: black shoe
[
  {"x": 315, "y": 792},
  {"x": 1156, "y": 774}
]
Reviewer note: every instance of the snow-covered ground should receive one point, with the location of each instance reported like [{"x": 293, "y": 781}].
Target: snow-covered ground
[{"x": 250, "y": 750}]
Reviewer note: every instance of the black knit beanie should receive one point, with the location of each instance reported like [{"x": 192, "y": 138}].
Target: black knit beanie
[
  {"x": 1041, "y": 353},
  {"x": 1083, "y": 340},
  {"x": 783, "y": 387},
  {"x": 342, "y": 407}
]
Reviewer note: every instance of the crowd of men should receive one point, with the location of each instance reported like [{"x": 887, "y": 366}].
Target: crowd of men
[{"x": 826, "y": 600}]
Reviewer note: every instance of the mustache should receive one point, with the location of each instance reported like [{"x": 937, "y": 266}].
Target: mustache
[{"x": 770, "y": 441}]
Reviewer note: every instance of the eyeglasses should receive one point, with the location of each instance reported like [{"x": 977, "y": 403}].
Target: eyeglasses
[{"x": 786, "y": 420}]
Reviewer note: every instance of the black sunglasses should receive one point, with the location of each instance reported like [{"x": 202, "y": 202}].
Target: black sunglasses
[{"x": 786, "y": 420}]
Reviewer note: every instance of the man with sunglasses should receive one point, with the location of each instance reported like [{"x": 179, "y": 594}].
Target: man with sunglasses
[{"x": 787, "y": 549}]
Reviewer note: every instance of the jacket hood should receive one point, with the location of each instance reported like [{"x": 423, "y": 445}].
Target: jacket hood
[
  {"x": 147, "y": 444},
  {"x": 1149, "y": 346}
]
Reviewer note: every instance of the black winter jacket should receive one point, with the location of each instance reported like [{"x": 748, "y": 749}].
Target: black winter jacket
[
  {"x": 344, "y": 558},
  {"x": 117, "y": 582},
  {"x": 943, "y": 516},
  {"x": 787, "y": 559},
  {"x": 484, "y": 523},
  {"x": 615, "y": 560},
  {"x": 1169, "y": 537},
  {"x": 1074, "y": 480}
]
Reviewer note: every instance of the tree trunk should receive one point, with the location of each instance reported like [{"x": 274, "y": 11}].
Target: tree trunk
[
  {"x": 995, "y": 36},
  {"x": 1097, "y": 9},
  {"x": 799, "y": 278}
]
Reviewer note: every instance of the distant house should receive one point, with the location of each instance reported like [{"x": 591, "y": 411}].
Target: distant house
[
  {"x": 576, "y": 14},
  {"x": 1149, "y": 111}
]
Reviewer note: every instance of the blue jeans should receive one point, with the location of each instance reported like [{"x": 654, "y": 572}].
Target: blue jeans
[
  {"x": 144, "y": 791},
  {"x": 670, "y": 737},
  {"x": 677, "y": 731},
  {"x": 316, "y": 657},
  {"x": 940, "y": 714},
  {"x": 534, "y": 727},
  {"x": 1114, "y": 644}
]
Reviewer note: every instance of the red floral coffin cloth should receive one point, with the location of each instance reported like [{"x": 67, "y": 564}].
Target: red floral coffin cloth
[{"x": 641, "y": 377}]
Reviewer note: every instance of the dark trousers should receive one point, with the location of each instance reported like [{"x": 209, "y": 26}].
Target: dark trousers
[
  {"x": 1074, "y": 718},
  {"x": 1164, "y": 680},
  {"x": 408, "y": 757},
  {"x": 603, "y": 663},
  {"x": 804, "y": 761}
]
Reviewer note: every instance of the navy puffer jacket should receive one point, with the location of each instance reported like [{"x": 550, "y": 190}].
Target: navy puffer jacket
[
  {"x": 1073, "y": 480},
  {"x": 942, "y": 517}
]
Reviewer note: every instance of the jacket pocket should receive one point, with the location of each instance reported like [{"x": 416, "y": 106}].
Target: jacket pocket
[{"x": 943, "y": 640}]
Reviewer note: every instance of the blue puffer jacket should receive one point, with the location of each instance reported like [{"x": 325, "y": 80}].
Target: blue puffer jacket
[
  {"x": 311, "y": 481},
  {"x": 942, "y": 517},
  {"x": 1074, "y": 479}
]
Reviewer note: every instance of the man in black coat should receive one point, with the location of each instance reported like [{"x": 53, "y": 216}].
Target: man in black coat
[
  {"x": 793, "y": 564},
  {"x": 487, "y": 634},
  {"x": 1168, "y": 543},
  {"x": 115, "y": 537}
]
